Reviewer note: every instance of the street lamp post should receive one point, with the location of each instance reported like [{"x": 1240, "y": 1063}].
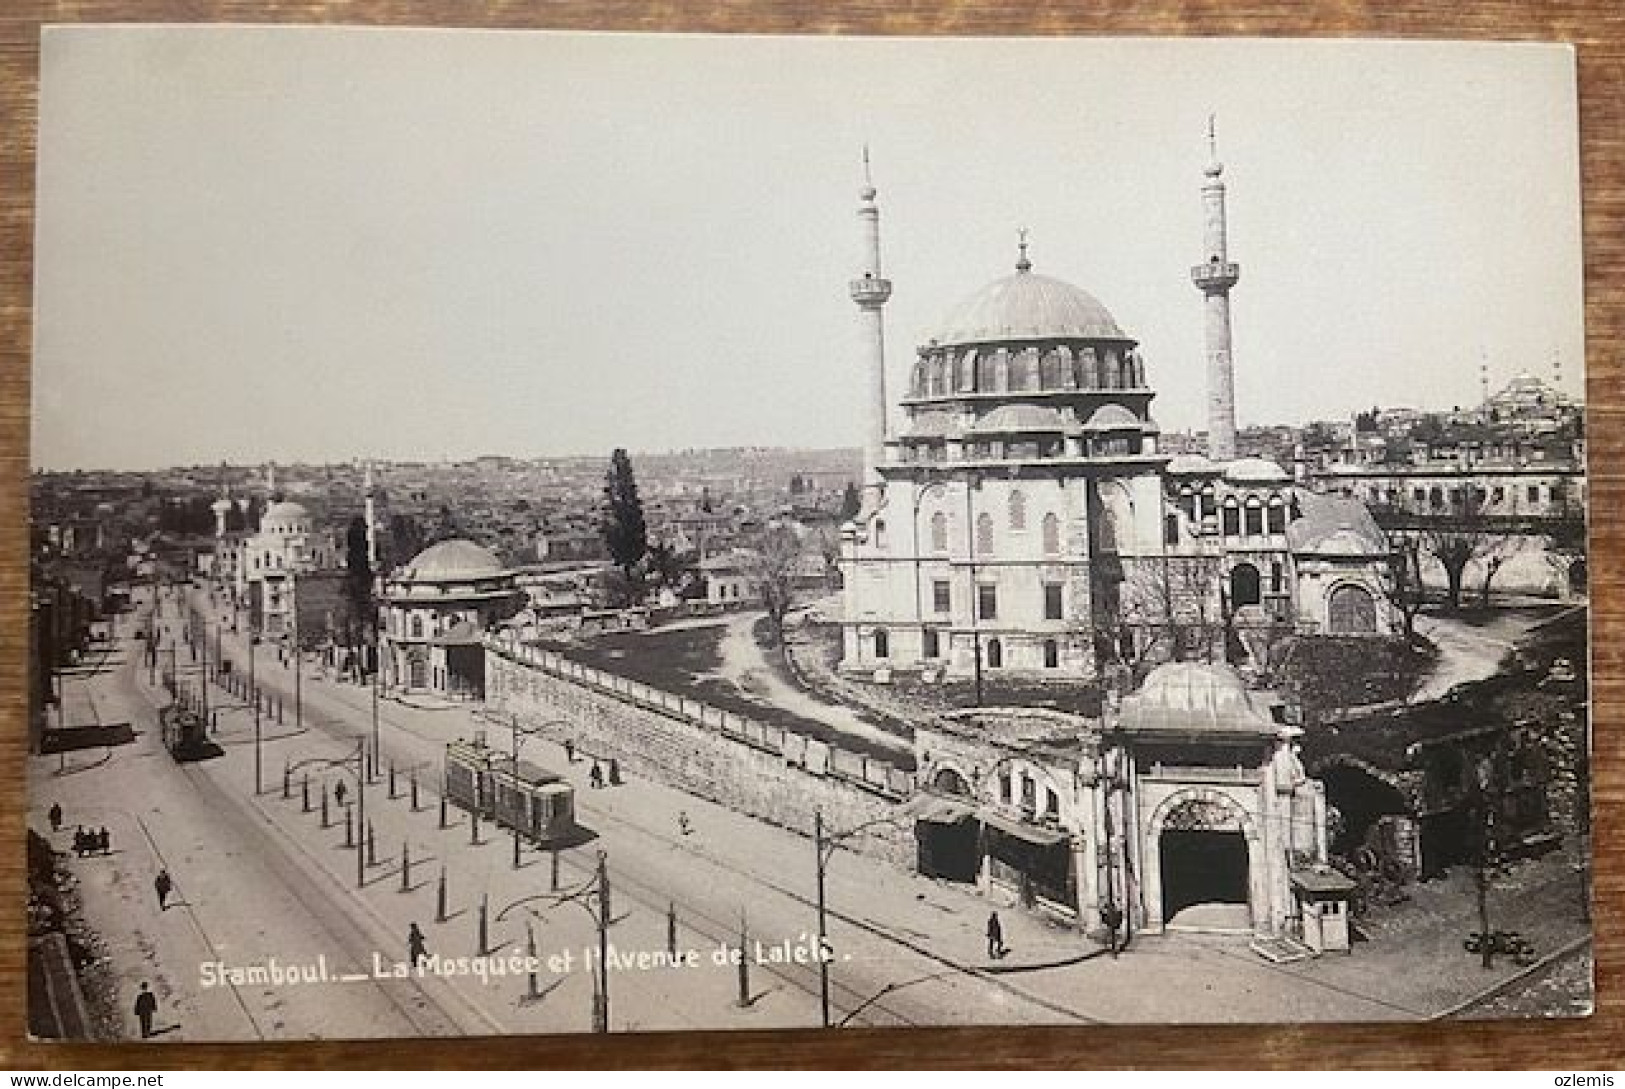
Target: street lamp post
[
  {"x": 597, "y": 889},
  {"x": 254, "y": 694},
  {"x": 824, "y": 846},
  {"x": 343, "y": 764}
]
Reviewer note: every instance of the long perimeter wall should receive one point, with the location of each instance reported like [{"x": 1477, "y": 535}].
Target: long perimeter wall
[{"x": 764, "y": 771}]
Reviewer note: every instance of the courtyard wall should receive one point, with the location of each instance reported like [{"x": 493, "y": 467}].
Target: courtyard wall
[{"x": 749, "y": 766}]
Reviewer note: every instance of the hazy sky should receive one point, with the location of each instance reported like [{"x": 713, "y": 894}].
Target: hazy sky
[{"x": 316, "y": 244}]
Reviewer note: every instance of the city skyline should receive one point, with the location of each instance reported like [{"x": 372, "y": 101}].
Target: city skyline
[{"x": 317, "y": 246}]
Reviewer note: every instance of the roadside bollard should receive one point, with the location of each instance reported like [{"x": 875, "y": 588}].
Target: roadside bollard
[
  {"x": 440, "y": 898},
  {"x": 442, "y": 809},
  {"x": 555, "y": 869},
  {"x": 413, "y": 783},
  {"x": 744, "y": 963},
  {"x": 530, "y": 953},
  {"x": 474, "y": 826},
  {"x": 287, "y": 775},
  {"x": 406, "y": 867},
  {"x": 485, "y": 899},
  {"x": 304, "y": 792},
  {"x": 392, "y": 780},
  {"x": 325, "y": 822},
  {"x": 372, "y": 853},
  {"x": 671, "y": 928},
  {"x": 349, "y": 829}
]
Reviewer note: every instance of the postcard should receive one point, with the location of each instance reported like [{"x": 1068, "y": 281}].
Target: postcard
[{"x": 548, "y": 532}]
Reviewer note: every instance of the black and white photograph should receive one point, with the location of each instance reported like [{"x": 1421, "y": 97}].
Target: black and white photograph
[{"x": 547, "y": 532}]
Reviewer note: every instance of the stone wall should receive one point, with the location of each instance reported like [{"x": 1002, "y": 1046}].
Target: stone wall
[{"x": 748, "y": 766}]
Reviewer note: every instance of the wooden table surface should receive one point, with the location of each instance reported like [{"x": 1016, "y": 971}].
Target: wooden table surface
[{"x": 1596, "y": 27}]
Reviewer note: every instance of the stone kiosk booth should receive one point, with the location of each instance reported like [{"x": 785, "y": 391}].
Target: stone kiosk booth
[{"x": 1185, "y": 805}]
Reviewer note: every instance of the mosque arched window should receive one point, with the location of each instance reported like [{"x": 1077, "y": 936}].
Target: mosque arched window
[
  {"x": 1351, "y": 610},
  {"x": 995, "y": 654},
  {"x": 1024, "y": 370},
  {"x": 939, "y": 532},
  {"x": 984, "y": 533},
  {"x": 1244, "y": 586},
  {"x": 986, "y": 374},
  {"x": 1232, "y": 519},
  {"x": 882, "y": 643},
  {"x": 1170, "y": 529},
  {"x": 1018, "y": 510},
  {"x": 1277, "y": 515},
  {"x": 1254, "y": 518},
  {"x": 1052, "y": 535},
  {"x": 1049, "y": 370},
  {"x": 1052, "y": 654},
  {"x": 417, "y": 626}
]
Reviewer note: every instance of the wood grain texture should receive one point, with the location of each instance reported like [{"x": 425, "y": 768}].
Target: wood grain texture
[{"x": 1596, "y": 27}]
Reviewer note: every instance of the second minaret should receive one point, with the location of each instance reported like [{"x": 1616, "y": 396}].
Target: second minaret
[{"x": 1215, "y": 277}]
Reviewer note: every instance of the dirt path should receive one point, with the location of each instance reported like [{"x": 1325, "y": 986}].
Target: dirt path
[
  {"x": 1468, "y": 652},
  {"x": 744, "y": 666}
]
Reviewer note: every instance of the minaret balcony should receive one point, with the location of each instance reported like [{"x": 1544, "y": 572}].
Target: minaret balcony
[
  {"x": 1216, "y": 275},
  {"x": 871, "y": 291}
]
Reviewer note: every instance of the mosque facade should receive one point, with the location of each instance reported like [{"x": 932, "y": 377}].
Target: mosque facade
[{"x": 1023, "y": 520}]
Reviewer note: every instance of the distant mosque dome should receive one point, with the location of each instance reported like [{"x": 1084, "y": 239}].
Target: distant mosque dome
[
  {"x": 285, "y": 517},
  {"x": 451, "y": 561},
  {"x": 1028, "y": 306},
  {"x": 1113, "y": 417}
]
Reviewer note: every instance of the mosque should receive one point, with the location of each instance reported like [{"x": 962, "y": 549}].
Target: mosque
[{"x": 1022, "y": 520}]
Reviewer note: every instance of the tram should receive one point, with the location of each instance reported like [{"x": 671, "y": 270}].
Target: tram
[
  {"x": 185, "y": 735},
  {"x": 522, "y": 795}
]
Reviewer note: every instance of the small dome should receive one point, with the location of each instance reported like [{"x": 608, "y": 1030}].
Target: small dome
[
  {"x": 1192, "y": 463},
  {"x": 1112, "y": 417},
  {"x": 1021, "y": 417},
  {"x": 1197, "y": 696},
  {"x": 452, "y": 560},
  {"x": 1255, "y": 471},
  {"x": 1028, "y": 306}
]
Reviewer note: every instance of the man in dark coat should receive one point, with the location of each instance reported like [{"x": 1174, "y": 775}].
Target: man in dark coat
[
  {"x": 416, "y": 947},
  {"x": 163, "y": 886},
  {"x": 55, "y": 816},
  {"x": 995, "y": 937},
  {"x": 146, "y": 1005}
]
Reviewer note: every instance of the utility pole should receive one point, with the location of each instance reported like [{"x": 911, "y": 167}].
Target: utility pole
[
  {"x": 603, "y": 943},
  {"x": 254, "y": 694},
  {"x": 361, "y": 814},
  {"x": 298, "y": 690},
  {"x": 513, "y": 769},
  {"x": 823, "y": 962}
]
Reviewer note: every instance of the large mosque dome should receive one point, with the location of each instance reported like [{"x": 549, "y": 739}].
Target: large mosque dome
[
  {"x": 1029, "y": 306},
  {"x": 451, "y": 561}
]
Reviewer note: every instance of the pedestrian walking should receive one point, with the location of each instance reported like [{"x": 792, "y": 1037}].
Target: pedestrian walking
[
  {"x": 416, "y": 947},
  {"x": 596, "y": 776},
  {"x": 81, "y": 842},
  {"x": 146, "y": 1005},
  {"x": 163, "y": 886},
  {"x": 1112, "y": 917},
  {"x": 569, "y": 751},
  {"x": 614, "y": 772},
  {"x": 104, "y": 841},
  {"x": 55, "y": 816},
  {"x": 995, "y": 937},
  {"x": 684, "y": 825},
  {"x": 339, "y": 792}
]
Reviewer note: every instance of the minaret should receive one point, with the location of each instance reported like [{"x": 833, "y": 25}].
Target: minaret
[
  {"x": 1216, "y": 277},
  {"x": 370, "y": 494},
  {"x": 870, "y": 292},
  {"x": 270, "y": 481}
]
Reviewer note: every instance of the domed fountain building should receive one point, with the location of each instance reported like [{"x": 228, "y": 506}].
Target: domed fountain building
[{"x": 435, "y": 610}]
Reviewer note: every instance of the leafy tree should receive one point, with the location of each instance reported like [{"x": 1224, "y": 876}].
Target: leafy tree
[
  {"x": 624, "y": 530},
  {"x": 405, "y": 538},
  {"x": 851, "y": 502},
  {"x": 671, "y": 569},
  {"x": 358, "y": 582},
  {"x": 1462, "y": 536}
]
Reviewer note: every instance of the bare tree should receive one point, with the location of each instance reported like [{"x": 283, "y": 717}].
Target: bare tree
[
  {"x": 1460, "y": 536},
  {"x": 1403, "y": 587},
  {"x": 1171, "y": 606},
  {"x": 772, "y": 568}
]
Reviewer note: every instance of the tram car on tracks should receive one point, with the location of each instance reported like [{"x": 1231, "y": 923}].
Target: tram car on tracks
[
  {"x": 186, "y": 735},
  {"x": 516, "y": 795}
]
